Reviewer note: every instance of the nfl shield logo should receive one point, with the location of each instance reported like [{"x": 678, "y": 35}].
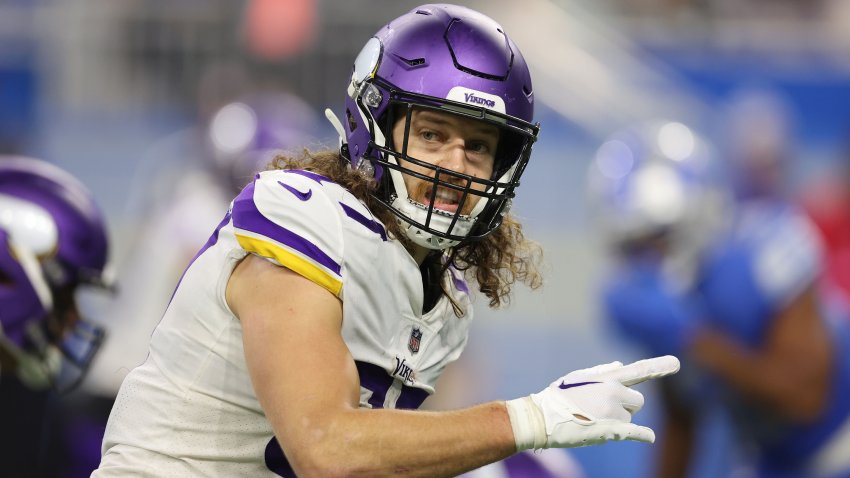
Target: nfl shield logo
[{"x": 415, "y": 339}]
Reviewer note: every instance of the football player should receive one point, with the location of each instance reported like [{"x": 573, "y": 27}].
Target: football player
[
  {"x": 53, "y": 242},
  {"x": 731, "y": 287},
  {"x": 336, "y": 289}
]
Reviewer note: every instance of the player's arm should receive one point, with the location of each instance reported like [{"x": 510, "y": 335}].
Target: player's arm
[
  {"x": 790, "y": 372},
  {"x": 308, "y": 386},
  {"x": 306, "y": 381}
]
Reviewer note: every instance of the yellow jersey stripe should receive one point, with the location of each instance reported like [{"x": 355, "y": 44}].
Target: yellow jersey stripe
[{"x": 291, "y": 261}]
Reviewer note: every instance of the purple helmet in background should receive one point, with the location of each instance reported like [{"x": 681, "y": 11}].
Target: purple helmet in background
[
  {"x": 52, "y": 239},
  {"x": 244, "y": 135},
  {"x": 453, "y": 60}
]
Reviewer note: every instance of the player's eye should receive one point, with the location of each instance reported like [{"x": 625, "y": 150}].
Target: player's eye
[
  {"x": 479, "y": 147},
  {"x": 428, "y": 135}
]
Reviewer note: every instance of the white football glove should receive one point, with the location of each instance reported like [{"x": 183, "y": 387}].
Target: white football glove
[{"x": 587, "y": 406}]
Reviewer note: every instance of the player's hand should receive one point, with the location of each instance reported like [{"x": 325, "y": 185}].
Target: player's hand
[{"x": 588, "y": 406}]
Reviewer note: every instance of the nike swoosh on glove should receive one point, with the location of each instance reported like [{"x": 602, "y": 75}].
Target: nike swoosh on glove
[{"x": 588, "y": 406}]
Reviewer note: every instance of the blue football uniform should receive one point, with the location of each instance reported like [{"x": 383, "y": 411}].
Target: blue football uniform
[
  {"x": 765, "y": 260},
  {"x": 771, "y": 257}
]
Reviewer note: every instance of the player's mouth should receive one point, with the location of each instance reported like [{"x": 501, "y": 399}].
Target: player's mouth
[{"x": 445, "y": 200}]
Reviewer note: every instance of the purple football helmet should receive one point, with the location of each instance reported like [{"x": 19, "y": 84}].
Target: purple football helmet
[
  {"x": 53, "y": 240},
  {"x": 453, "y": 60},
  {"x": 244, "y": 135}
]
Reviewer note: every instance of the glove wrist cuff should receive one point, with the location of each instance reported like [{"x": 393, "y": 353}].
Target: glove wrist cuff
[{"x": 528, "y": 424}]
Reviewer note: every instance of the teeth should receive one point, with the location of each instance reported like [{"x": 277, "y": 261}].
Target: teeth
[
  {"x": 445, "y": 196},
  {"x": 439, "y": 212}
]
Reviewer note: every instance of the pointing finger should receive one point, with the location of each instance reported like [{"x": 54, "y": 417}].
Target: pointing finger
[{"x": 643, "y": 370}]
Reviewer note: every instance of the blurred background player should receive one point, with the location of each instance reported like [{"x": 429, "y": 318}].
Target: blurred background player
[
  {"x": 732, "y": 288},
  {"x": 52, "y": 241}
]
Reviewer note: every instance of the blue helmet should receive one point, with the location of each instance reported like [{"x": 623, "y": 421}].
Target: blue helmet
[
  {"x": 53, "y": 240},
  {"x": 657, "y": 180},
  {"x": 449, "y": 59}
]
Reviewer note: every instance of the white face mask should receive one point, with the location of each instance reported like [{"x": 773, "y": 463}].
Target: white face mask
[{"x": 441, "y": 223}]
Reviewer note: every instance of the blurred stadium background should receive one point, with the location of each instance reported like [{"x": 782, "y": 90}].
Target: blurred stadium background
[{"x": 100, "y": 88}]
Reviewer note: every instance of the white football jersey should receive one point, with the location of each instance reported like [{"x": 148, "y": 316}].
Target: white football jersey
[{"x": 190, "y": 409}]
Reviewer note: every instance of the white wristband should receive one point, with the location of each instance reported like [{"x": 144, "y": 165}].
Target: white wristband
[{"x": 527, "y": 422}]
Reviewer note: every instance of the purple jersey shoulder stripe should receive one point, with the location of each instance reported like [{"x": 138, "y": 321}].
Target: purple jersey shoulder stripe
[
  {"x": 370, "y": 224},
  {"x": 309, "y": 174},
  {"x": 247, "y": 217}
]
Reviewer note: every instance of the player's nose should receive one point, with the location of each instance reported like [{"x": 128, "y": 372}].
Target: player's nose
[{"x": 454, "y": 158}]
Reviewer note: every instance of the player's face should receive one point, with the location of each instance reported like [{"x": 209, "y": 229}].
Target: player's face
[{"x": 459, "y": 144}]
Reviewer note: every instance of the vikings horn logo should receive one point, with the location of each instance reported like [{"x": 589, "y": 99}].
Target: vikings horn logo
[{"x": 415, "y": 340}]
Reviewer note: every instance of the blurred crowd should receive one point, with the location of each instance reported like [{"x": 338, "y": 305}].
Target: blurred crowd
[{"x": 694, "y": 160}]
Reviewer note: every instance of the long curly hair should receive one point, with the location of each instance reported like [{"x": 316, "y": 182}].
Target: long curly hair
[{"x": 496, "y": 262}]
